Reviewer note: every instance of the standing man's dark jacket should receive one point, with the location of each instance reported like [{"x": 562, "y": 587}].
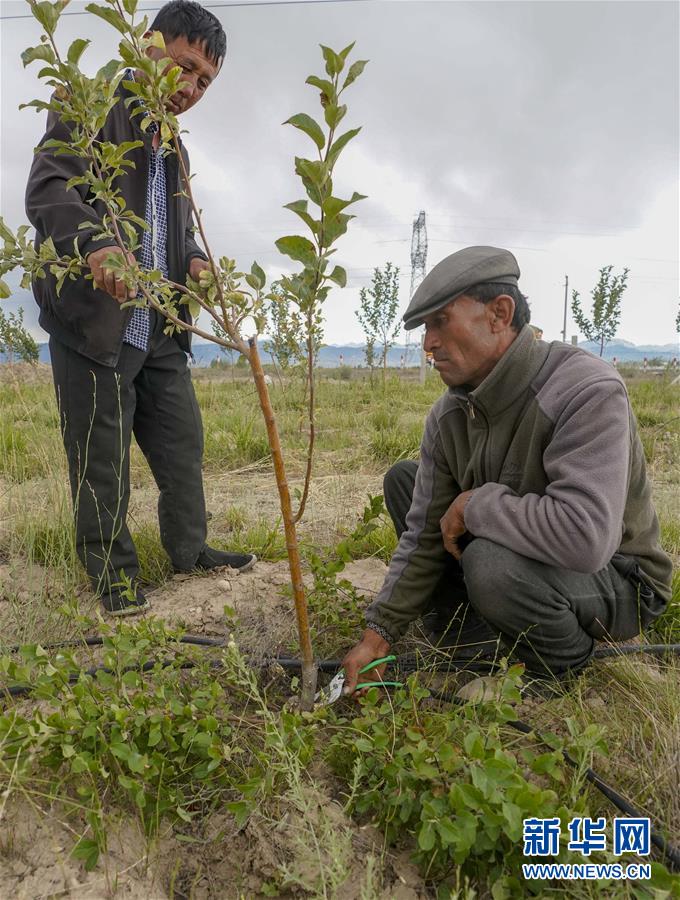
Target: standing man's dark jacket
[{"x": 82, "y": 317}]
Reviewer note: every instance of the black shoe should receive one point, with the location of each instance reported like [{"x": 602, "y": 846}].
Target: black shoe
[
  {"x": 117, "y": 603},
  {"x": 209, "y": 559}
]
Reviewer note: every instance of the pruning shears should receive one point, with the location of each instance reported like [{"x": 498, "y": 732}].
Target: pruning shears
[{"x": 334, "y": 690}]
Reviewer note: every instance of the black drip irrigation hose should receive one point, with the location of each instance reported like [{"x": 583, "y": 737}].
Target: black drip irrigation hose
[
  {"x": 406, "y": 662},
  {"x": 202, "y": 641},
  {"x": 628, "y": 649},
  {"x": 96, "y": 640}
]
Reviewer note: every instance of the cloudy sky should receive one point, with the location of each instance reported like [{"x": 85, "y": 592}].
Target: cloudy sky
[{"x": 549, "y": 128}]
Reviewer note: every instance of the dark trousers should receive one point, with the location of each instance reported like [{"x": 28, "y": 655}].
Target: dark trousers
[
  {"x": 151, "y": 396},
  {"x": 549, "y": 617}
]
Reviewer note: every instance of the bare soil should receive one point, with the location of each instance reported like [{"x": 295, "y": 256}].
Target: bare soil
[
  {"x": 258, "y": 602},
  {"x": 211, "y": 858},
  {"x": 213, "y": 861}
]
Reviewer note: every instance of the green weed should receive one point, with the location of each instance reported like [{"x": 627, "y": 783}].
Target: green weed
[
  {"x": 154, "y": 564},
  {"x": 50, "y": 545},
  {"x": 670, "y": 535},
  {"x": 447, "y": 780},
  {"x": 267, "y": 542},
  {"x": 232, "y": 443},
  {"x": 388, "y": 445},
  {"x": 233, "y": 519},
  {"x": 165, "y": 745},
  {"x": 459, "y": 786},
  {"x": 336, "y": 607}
]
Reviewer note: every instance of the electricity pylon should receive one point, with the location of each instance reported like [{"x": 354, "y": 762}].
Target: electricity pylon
[{"x": 418, "y": 267}]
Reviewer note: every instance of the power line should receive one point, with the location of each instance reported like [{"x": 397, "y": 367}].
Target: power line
[{"x": 241, "y": 3}]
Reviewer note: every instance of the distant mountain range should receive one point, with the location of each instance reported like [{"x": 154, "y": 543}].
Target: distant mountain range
[{"x": 334, "y": 355}]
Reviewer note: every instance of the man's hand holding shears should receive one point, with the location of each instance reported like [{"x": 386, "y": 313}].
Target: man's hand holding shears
[{"x": 369, "y": 655}]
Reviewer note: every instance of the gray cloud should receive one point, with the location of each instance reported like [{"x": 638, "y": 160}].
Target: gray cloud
[{"x": 545, "y": 125}]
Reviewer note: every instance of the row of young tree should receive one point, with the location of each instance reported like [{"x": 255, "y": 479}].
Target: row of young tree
[
  {"x": 377, "y": 315},
  {"x": 379, "y": 306}
]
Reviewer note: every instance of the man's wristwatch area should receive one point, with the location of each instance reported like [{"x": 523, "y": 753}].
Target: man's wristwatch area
[{"x": 384, "y": 634}]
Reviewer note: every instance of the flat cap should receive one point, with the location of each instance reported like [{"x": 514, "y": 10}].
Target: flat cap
[{"x": 457, "y": 273}]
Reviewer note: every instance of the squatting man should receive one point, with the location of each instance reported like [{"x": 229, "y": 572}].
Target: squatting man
[
  {"x": 529, "y": 519},
  {"x": 115, "y": 371}
]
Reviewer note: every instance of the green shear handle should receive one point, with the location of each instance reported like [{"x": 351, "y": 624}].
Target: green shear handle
[{"x": 373, "y": 665}]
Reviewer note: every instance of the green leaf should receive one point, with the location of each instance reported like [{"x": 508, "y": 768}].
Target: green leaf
[
  {"x": 447, "y": 831},
  {"x": 109, "y": 15},
  {"x": 258, "y": 272},
  {"x": 5, "y": 232},
  {"x": 326, "y": 87},
  {"x": 42, "y": 51},
  {"x": 335, "y": 227},
  {"x": 309, "y": 126},
  {"x": 130, "y": 7},
  {"x": 157, "y": 40},
  {"x": 109, "y": 71},
  {"x": 49, "y": 71},
  {"x": 315, "y": 177},
  {"x": 76, "y": 50},
  {"x": 355, "y": 71},
  {"x": 240, "y": 810},
  {"x": 339, "y": 276},
  {"x": 333, "y": 205},
  {"x": 47, "y": 14},
  {"x": 315, "y": 170},
  {"x": 87, "y": 850},
  {"x": 119, "y": 750},
  {"x": 426, "y": 836},
  {"x": 334, "y": 63},
  {"x": 5, "y": 291},
  {"x": 299, "y": 207},
  {"x": 194, "y": 307},
  {"x": 298, "y": 248},
  {"x": 136, "y": 762},
  {"x": 346, "y": 52},
  {"x": 340, "y": 144},
  {"x": 334, "y": 114}
]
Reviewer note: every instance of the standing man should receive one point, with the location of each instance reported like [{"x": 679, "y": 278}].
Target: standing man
[
  {"x": 115, "y": 372},
  {"x": 529, "y": 518}
]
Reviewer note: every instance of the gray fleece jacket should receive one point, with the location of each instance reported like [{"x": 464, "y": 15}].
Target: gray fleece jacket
[{"x": 549, "y": 444}]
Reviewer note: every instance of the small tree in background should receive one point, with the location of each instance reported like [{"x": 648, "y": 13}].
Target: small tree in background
[
  {"x": 15, "y": 341},
  {"x": 377, "y": 314},
  {"x": 284, "y": 327},
  {"x": 606, "y": 310},
  {"x": 369, "y": 352}
]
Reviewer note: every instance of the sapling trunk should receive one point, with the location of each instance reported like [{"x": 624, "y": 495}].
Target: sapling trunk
[{"x": 308, "y": 666}]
